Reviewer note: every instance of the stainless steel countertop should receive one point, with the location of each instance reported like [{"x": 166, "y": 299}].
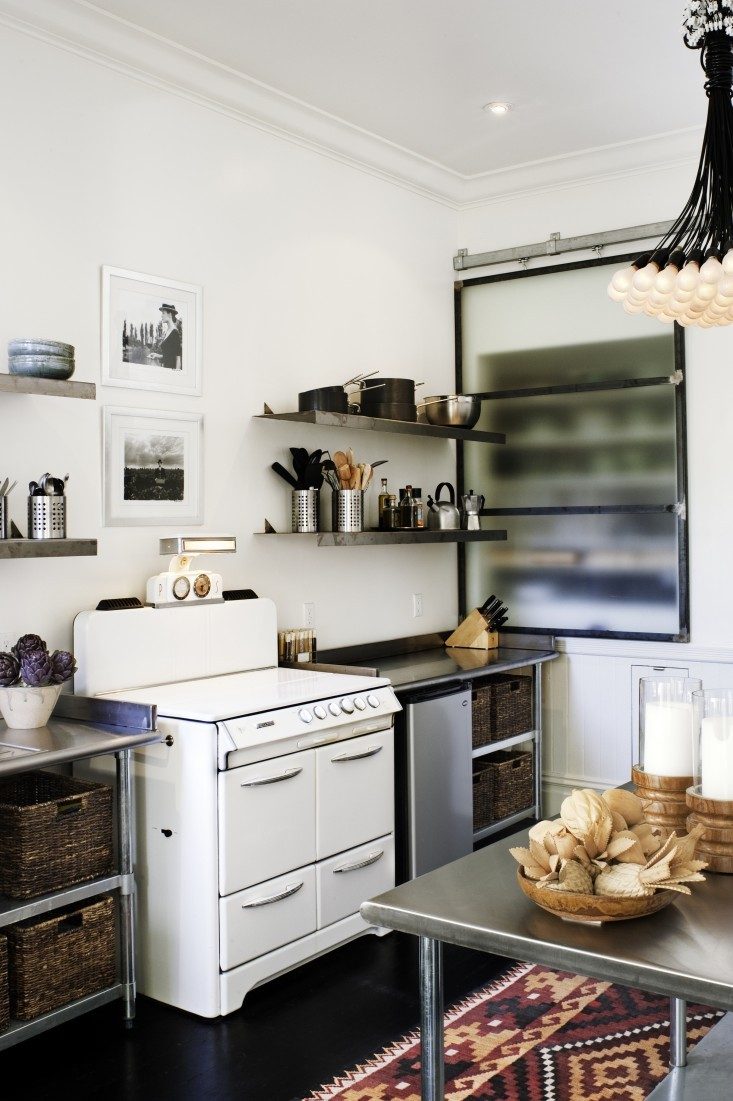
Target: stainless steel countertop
[
  {"x": 62, "y": 741},
  {"x": 425, "y": 668},
  {"x": 683, "y": 951}
]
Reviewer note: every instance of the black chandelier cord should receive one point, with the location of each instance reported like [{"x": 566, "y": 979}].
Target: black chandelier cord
[{"x": 705, "y": 225}]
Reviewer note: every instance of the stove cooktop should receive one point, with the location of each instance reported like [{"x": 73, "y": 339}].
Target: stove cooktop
[{"x": 214, "y": 699}]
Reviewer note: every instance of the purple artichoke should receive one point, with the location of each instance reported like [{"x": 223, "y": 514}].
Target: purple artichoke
[
  {"x": 63, "y": 666},
  {"x": 9, "y": 670},
  {"x": 26, "y": 644},
  {"x": 36, "y": 669}
]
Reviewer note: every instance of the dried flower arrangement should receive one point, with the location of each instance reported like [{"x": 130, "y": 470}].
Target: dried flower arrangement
[{"x": 601, "y": 845}]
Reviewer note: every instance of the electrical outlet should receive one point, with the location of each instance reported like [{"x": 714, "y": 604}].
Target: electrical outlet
[
  {"x": 416, "y": 605},
  {"x": 309, "y": 615},
  {"x": 6, "y": 641}
]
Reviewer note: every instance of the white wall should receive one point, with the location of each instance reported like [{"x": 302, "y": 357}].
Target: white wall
[{"x": 312, "y": 271}]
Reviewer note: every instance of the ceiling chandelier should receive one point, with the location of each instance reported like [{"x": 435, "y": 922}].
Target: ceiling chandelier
[{"x": 688, "y": 278}]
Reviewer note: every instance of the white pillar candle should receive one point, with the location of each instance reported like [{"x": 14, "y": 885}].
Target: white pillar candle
[
  {"x": 668, "y": 738},
  {"x": 716, "y": 757}
]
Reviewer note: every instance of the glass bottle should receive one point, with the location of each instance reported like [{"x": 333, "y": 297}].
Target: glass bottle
[
  {"x": 382, "y": 505},
  {"x": 418, "y": 509},
  {"x": 407, "y": 508}
]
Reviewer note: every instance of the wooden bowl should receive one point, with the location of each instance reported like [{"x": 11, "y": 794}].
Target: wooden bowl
[{"x": 592, "y": 909}]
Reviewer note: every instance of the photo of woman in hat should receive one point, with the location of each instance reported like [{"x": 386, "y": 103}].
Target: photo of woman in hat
[
  {"x": 151, "y": 332},
  {"x": 170, "y": 345}
]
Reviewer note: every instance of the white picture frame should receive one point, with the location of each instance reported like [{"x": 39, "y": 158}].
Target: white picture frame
[
  {"x": 144, "y": 345},
  {"x": 153, "y": 467}
]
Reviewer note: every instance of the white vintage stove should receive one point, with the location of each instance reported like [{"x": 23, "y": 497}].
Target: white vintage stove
[{"x": 266, "y": 817}]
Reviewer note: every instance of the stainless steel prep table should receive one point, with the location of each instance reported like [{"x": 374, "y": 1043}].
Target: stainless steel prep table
[
  {"x": 684, "y": 951},
  {"x": 93, "y": 728}
]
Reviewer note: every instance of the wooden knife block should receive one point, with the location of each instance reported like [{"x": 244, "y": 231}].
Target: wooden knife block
[{"x": 472, "y": 634}]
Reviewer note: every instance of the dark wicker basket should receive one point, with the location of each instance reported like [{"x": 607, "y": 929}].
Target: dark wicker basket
[
  {"x": 4, "y": 991},
  {"x": 54, "y": 831},
  {"x": 58, "y": 958},
  {"x": 503, "y": 784},
  {"x": 501, "y": 707}
]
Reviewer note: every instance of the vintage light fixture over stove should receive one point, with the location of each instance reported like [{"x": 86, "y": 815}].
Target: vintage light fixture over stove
[{"x": 689, "y": 276}]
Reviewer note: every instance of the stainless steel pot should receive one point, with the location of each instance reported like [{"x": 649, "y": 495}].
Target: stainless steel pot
[
  {"x": 451, "y": 410},
  {"x": 443, "y": 515}
]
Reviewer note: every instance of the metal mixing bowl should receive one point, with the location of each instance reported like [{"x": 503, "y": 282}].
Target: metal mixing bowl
[{"x": 451, "y": 410}]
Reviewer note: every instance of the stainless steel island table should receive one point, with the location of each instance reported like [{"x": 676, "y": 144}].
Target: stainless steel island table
[{"x": 684, "y": 951}]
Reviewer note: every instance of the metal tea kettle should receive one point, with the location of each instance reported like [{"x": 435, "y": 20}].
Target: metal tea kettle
[
  {"x": 443, "y": 515},
  {"x": 471, "y": 504}
]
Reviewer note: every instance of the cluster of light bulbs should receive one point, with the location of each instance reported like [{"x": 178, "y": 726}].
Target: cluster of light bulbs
[
  {"x": 696, "y": 292},
  {"x": 703, "y": 16}
]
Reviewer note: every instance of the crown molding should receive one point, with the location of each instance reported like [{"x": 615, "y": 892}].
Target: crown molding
[{"x": 81, "y": 28}]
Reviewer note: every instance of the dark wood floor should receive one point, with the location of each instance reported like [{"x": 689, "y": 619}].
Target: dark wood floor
[{"x": 291, "y": 1034}]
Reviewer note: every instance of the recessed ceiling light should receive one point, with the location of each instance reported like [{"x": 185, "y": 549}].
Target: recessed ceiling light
[{"x": 497, "y": 107}]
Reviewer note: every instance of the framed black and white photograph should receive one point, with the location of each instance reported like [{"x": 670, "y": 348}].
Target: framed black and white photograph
[
  {"x": 152, "y": 467},
  {"x": 151, "y": 332}
]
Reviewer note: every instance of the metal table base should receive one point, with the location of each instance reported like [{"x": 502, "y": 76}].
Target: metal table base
[{"x": 684, "y": 952}]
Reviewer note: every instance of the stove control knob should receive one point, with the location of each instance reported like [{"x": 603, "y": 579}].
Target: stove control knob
[
  {"x": 348, "y": 706},
  {"x": 359, "y": 703},
  {"x": 319, "y": 712},
  {"x": 305, "y": 715},
  {"x": 334, "y": 708},
  {"x": 372, "y": 700}
]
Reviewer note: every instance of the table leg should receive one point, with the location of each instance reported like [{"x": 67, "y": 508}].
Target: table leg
[
  {"x": 431, "y": 1019},
  {"x": 127, "y": 923},
  {"x": 677, "y": 1032}
]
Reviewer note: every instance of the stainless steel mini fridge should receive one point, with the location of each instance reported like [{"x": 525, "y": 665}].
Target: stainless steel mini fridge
[{"x": 433, "y": 743}]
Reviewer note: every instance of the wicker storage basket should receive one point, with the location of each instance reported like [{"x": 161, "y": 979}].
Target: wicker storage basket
[
  {"x": 502, "y": 785},
  {"x": 501, "y": 707},
  {"x": 60, "y": 957},
  {"x": 54, "y": 831},
  {"x": 4, "y": 991}
]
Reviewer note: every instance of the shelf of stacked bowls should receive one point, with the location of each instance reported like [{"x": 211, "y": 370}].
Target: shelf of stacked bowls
[{"x": 41, "y": 358}]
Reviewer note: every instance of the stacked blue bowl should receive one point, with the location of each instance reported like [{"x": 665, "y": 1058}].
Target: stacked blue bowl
[{"x": 41, "y": 358}]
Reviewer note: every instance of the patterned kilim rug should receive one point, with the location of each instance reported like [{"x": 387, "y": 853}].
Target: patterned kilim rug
[{"x": 535, "y": 1035}]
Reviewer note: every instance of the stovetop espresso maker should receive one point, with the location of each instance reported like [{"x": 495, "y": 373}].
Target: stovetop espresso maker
[{"x": 471, "y": 505}]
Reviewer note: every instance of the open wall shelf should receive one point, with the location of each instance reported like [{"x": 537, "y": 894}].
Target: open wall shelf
[
  {"x": 47, "y": 387},
  {"x": 47, "y": 548},
  {"x": 381, "y": 424},
  {"x": 387, "y": 538}
]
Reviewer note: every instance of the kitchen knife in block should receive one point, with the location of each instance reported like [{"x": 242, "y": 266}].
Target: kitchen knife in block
[{"x": 472, "y": 634}]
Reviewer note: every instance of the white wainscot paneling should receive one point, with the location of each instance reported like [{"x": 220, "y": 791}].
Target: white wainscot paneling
[
  {"x": 586, "y": 725},
  {"x": 591, "y": 713}
]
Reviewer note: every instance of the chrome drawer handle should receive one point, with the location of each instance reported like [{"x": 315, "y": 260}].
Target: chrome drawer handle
[
  {"x": 371, "y": 859},
  {"x": 259, "y": 780},
  {"x": 291, "y": 890},
  {"x": 371, "y": 752}
]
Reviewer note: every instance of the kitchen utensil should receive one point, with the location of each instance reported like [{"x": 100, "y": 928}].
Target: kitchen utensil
[
  {"x": 41, "y": 366},
  {"x": 12, "y": 487},
  {"x": 496, "y": 615},
  {"x": 58, "y": 485},
  {"x": 304, "y": 510},
  {"x": 32, "y": 487},
  {"x": 36, "y": 347},
  {"x": 471, "y": 504},
  {"x": 389, "y": 391},
  {"x": 394, "y": 411},
  {"x": 490, "y": 608},
  {"x": 443, "y": 515},
  {"x": 300, "y": 461},
  {"x": 347, "y": 510},
  {"x": 326, "y": 399},
  {"x": 3, "y": 487},
  {"x": 451, "y": 410},
  {"x": 488, "y": 603},
  {"x": 46, "y": 516},
  {"x": 499, "y": 623},
  {"x": 3, "y": 518},
  {"x": 285, "y": 474},
  {"x": 47, "y": 485}
]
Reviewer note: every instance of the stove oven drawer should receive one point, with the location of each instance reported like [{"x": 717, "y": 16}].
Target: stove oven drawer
[
  {"x": 267, "y": 916},
  {"x": 347, "y": 880},
  {"x": 355, "y": 786},
  {"x": 266, "y": 820}
]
